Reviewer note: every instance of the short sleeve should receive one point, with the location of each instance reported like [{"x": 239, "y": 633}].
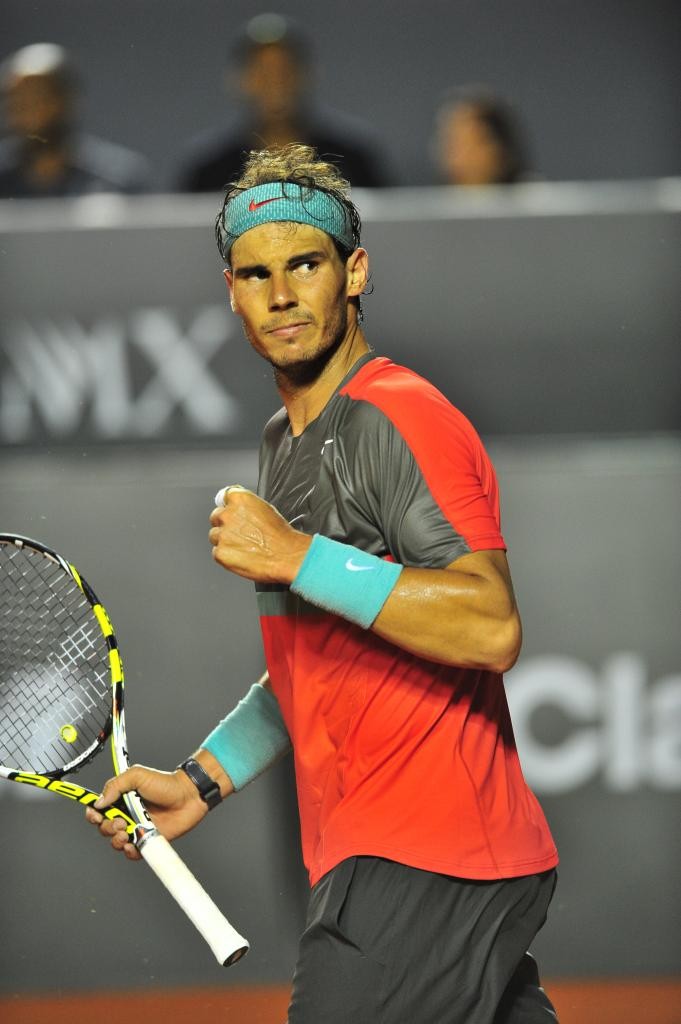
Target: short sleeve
[{"x": 426, "y": 474}]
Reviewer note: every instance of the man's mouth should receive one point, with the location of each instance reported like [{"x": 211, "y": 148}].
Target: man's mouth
[{"x": 290, "y": 329}]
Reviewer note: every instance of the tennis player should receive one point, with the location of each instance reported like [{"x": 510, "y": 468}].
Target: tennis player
[{"x": 388, "y": 618}]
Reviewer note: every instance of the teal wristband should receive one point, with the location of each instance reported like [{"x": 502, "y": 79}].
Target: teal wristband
[
  {"x": 251, "y": 738},
  {"x": 344, "y": 580}
]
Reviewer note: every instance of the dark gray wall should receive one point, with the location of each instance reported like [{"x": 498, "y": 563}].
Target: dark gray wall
[
  {"x": 597, "y": 83},
  {"x": 550, "y": 309},
  {"x": 542, "y": 314}
]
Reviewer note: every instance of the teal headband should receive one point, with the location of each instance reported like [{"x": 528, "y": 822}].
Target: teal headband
[{"x": 287, "y": 201}]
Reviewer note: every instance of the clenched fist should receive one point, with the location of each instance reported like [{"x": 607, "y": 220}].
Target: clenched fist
[{"x": 251, "y": 539}]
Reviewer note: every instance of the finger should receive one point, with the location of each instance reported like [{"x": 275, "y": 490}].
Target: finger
[
  {"x": 110, "y": 827},
  {"x": 111, "y": 792},
  {"x": 121, "y": 845},
  {"x": 119, "y": 838},
  {"x": 115, "y": 788}
]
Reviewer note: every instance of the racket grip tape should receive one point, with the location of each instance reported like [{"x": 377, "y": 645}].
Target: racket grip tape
[{"x": 226, "y": 943}]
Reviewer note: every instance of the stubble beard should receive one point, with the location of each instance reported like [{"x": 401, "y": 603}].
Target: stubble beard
[{"x": 300, "y": 372}]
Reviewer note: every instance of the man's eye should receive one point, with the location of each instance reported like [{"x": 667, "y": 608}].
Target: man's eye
[{"x": 305, "y": 269}]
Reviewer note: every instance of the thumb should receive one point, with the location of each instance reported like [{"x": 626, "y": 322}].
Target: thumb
[
  {"x": 221, "y": 497},
  {"x": 114, "y": 788}
]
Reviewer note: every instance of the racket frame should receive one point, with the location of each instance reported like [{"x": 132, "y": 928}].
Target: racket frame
[
  {"x": 130, "y": 808},
  {"x": 227, "y": 944}
]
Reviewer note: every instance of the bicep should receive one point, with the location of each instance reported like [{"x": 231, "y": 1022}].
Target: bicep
[
  {"x": 491, "y": 565},
  {"x": 490, "y": 574}
]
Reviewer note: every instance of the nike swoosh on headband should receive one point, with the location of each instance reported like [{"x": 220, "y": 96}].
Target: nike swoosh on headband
[{"x": 252, "y": 206}]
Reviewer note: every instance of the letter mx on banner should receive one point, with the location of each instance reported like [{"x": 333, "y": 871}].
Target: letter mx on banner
[{"x": 123, "y": 377}]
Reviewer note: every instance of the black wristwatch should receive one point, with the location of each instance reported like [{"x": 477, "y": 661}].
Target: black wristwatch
[{"x": 209, "y": 790}]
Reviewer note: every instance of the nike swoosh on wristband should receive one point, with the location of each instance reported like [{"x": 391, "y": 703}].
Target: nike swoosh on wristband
[
  {"x": 357, "y": 568},
  {"x": 252, "y": 206}
]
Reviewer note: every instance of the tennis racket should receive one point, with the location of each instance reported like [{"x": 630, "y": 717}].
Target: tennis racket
[{"x": 61, "y": 698}]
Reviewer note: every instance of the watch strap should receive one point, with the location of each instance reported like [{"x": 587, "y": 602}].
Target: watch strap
[{"x": 208, "y": 788}]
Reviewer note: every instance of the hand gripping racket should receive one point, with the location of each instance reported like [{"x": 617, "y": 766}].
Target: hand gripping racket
[{"x": 61, "y": 698}]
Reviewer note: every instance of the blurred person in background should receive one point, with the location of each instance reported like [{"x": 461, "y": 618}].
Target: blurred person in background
[
  {"x": 44, "y": 154},
  {"x": 478, "y": 140},
  {"x": 272, "y": 78}
]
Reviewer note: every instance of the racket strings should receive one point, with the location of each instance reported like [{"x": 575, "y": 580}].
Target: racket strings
[{"x": 55, "y": 694}]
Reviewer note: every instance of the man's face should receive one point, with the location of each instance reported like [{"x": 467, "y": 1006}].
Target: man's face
[
  {"x": 469, "y": 154},
  {"x": 273, "y": 81},
  {"x": 291, "y": 290},
  {"x": 34, "y": 106}
]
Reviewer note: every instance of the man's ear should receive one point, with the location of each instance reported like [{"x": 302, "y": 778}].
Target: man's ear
[
  {"x": 230, "y": 290},
  {"x": 357, "y": 272}
]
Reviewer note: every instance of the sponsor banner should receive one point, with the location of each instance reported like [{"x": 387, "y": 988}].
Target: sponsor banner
[
  {"x": 144, "y": 375},
  {"x": 610, "y": 726},
  {"x": 528, "y": 310}
]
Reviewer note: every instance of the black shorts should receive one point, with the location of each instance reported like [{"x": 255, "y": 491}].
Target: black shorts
[{"x": 388, "y": 944}]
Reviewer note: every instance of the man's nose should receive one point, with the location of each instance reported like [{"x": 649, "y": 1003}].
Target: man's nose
[{"x": 282, "y": 294}]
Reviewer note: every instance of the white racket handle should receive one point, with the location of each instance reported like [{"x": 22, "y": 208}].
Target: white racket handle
[{"x": 226, "y": 943}]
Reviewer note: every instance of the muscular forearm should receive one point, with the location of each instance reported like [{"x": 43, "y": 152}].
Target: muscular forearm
[
  {"x": 211, "y": 764},
  {"x": 248, "y": 741},
  {"x": 456, "y": 616},
  {"x": 462, "y": 615}
]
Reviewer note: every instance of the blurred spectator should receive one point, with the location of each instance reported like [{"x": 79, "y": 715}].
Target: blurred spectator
[
  {"x": 271, "y": 76},
  {"x": 478, "y": 140},
  {"x": 44, "y": 155}
]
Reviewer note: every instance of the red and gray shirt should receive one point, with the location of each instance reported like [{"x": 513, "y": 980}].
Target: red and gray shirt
[{"x": 395, "y": 756}]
